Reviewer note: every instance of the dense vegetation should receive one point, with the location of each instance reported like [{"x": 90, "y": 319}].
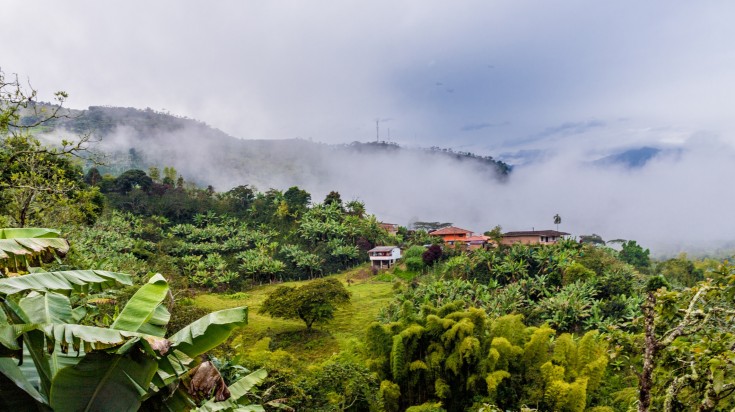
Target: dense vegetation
[{"x": 572, "y": 326}]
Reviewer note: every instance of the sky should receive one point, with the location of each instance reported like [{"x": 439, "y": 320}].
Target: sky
[{"x": 571, "y": 80}]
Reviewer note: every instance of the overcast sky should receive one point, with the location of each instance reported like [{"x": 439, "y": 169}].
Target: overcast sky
[
  {"x": 487, "y": 74},
  {"x": 575, "y": 79}
]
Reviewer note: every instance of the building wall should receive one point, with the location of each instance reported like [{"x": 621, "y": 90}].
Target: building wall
[
  {"x": 454, "y": 238},
  {"x": 527, "y": 240}
]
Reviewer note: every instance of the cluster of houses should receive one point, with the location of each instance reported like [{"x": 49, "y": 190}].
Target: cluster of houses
[{"x": 383, "y": 257}]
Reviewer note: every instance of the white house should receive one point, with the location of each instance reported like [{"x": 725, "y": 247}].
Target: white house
[{"x": 383, "y": 257}]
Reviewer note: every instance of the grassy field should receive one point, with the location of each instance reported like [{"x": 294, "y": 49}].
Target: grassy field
[{"x": 368, "y": 296}]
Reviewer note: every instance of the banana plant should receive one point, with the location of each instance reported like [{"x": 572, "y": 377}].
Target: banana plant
[
  {"x": 19, "y": 246},
  {"x": 50, "y": 361}
]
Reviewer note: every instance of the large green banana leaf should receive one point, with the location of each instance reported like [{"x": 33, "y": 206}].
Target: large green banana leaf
[
  {"x": 48, "y": 307},
  {"x": 102, "y": 382},
  {"x": 209, "y": 331},
  {"x": 66, "y": 281},
  {"x": 156, "y": 325},
  {"x": 76, "y": 336},
  {"x": 28, "y": 232},
  {"x": 144, "y": 312},
  {"x": 29, "y": 241}
]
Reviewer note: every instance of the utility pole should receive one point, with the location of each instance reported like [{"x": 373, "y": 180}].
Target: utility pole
[{"x": 377, "y": 130}]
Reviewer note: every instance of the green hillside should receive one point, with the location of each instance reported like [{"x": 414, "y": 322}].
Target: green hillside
[{"x": 368, "y": 297}]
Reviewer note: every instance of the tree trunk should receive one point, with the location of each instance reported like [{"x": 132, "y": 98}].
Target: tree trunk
[{"x": 645, "y": 383}]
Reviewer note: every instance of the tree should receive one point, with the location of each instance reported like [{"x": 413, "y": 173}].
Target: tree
[
  {"x": 169, "y": 175},
  {"x": 155, "y": 174},
  {"x": 430, "y": 226},
  {"x": 457, "y": 356},
  {"x": 333, "y": 197},
  {"x": 93, "y": 177},
  {"x": 557, "y": 221},
  {"x": 692, "y": 362},
  {"x": 495, "y": 234},
  {"x": 355, "y": 208},
  {"x": 239, "y": 199},
  {"x": 133, "y": 179},
  {"x": 42, "y": 183},
  {"x": 297, "y": 200},
  {"x": 432, "y": 254},
  {"x": 36, "y": 180},
  {"x": 635, "y": 255},
  {"x": 314, "y": 302},
  {"x": 593, "y": 239}
]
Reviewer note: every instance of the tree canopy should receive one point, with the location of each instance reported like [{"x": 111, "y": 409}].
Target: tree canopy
[{"x": 315, "y": 302}]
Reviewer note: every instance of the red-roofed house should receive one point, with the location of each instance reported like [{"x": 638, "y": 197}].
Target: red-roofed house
[
  {"x": 541, "y": 237},
  {"x": 451, "y": 234}
]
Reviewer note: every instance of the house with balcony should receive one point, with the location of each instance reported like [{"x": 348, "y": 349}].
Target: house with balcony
[
  {"x": 384, "y": 257},
  {"x": 533, "y": 237}
]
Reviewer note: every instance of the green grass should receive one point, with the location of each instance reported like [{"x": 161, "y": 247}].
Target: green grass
[{"x": 348, "y": 325}]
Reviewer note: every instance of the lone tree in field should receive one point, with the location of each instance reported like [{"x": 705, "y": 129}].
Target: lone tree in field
[{"x": 314, "y": 302}]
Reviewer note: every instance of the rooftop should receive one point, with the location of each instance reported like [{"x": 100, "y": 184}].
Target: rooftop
[
  {"x": 382, "y": 249},
  {"x": 449, "y": 230},
  {"x": 536, "y": 233}
]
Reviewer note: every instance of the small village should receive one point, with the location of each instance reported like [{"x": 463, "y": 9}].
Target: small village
[{"x": 384, "y": 257}]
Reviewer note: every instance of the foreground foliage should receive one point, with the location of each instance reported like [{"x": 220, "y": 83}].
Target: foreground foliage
[
  {"x": 116, "y": 368},
  {"x": 459, "y": 357}
]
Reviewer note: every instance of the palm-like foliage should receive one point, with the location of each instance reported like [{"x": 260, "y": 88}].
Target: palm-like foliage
[
  {"x": 116, "y": 368},
  {"x": 18, "y": 247}
]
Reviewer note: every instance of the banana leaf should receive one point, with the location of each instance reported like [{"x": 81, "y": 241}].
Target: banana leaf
[
  {"x": 102, "y": 382},
  {"x": 30, "y": 241},
  {"x": 28, "y": 232},
  {"x": 48, "y": 307},
  {"x": 156, "y": 325},
  {"x": 66, "y": 281},
  {"x": 142, "y": 307},
  {"x": 209, "y": 331}
]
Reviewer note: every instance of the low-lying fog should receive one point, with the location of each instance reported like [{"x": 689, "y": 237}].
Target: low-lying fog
[{"x": 679, "y": 200}]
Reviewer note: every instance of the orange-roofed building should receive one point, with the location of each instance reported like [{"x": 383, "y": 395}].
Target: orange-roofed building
[{"x": 452, "y": 234}]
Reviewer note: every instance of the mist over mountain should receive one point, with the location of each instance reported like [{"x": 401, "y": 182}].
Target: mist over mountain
[{"x": 663, "y": 195}]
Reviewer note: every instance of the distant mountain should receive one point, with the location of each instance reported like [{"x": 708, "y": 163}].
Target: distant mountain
[
  {"x": 631, "y": 158},
  {"x": 135, "y": 138}
]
